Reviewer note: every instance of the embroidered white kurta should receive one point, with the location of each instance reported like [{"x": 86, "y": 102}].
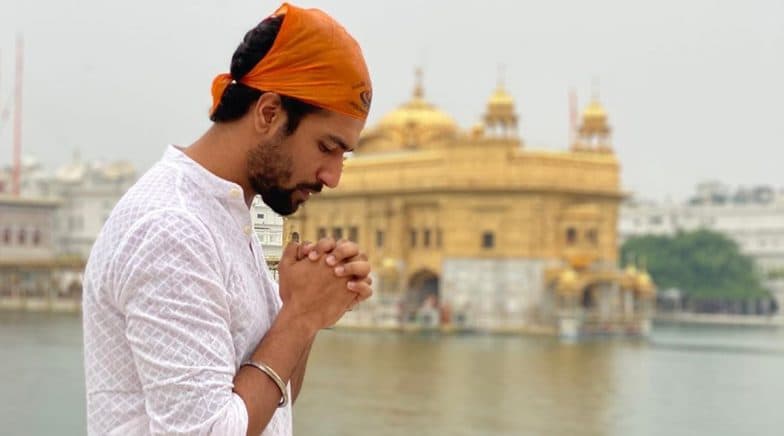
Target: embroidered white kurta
[{"x": 176, "y": 296}]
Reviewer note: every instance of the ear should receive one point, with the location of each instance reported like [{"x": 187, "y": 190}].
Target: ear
[{"x": 268, "y": 113}]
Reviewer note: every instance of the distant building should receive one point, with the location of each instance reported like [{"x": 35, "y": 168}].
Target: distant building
[
  {"x": 89, "y": 193},
  {"x": 32, "y": 275},
  {"x": 26, "y": 229},
  {"x": 34, "y": 180},
  {"x": 269, "y": 228},
  {"x": 752, "y": 217},
  {"x": 85, "y": 192}
]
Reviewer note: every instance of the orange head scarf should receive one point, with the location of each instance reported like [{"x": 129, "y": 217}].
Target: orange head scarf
[{"x": 312, "y": 59}]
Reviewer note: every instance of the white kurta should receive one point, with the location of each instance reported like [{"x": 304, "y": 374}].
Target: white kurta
[{"x": 176, "y": 296}]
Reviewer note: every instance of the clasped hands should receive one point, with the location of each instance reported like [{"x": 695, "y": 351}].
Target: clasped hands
[{"x": 323, "y": 280}]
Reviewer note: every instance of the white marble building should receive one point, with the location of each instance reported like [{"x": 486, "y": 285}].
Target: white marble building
[
  {"x": 33, "y": 179},
  {"x": 89, "y": 193},
  {"x": 494, "y": 293},
  {"x": 753, "y": 218},
  {"x": 269, "y": 228},
  {"x": 86, "y": 193},
  {"x": 26, "y": 229}
]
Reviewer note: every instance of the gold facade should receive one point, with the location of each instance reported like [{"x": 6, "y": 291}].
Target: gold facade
[{"x": 419, "y": 190}]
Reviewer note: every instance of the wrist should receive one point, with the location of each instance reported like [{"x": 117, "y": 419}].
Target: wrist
[{"x": 296, "y": 323}]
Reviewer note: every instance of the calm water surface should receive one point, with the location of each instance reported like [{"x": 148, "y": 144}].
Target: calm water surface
[{"x": 685, "y": 381}]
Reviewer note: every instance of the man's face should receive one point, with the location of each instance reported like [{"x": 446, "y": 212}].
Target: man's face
[{"x": 286, "y": 169}]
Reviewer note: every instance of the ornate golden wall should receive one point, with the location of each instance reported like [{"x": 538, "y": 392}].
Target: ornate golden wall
[{"x": 453, "y": 196}]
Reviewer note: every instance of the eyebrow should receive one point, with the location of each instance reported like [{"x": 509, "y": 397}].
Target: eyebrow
[{"x": 340, "y": 142}]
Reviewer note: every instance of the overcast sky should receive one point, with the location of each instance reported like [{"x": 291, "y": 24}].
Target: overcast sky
[{"x": 694, "y": 89}]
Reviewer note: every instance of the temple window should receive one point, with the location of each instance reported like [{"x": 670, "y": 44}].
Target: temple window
[
  {"x": 488, "y": 240},
  {"x": 337, "y": 232},
  {"x": 592, "y": 236},
  {"x": 571, "y": 236}
]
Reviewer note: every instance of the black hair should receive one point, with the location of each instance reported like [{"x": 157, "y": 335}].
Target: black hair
[{"x": 238, "y": 98}]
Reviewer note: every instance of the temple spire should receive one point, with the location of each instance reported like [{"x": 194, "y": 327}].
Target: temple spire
[{"x": 419, "y": 91}]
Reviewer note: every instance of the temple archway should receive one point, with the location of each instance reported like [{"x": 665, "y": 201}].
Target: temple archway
[{"x": 422, "y": 293}]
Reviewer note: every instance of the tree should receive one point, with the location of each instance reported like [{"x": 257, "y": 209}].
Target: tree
[{"x": 705, "y": 265}]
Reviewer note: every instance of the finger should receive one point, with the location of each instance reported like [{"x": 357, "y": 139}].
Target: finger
[
  {"x": 303, "y": 249},
  {"x": 363, "y": 290},
  {"x": 323, "y": 246},
  {"x": 343, "y": 250},
  {"x": 360, "y": 256},
  {"x": 368, "y": 280},
  {"x": 289, "y": 255},
  {"x": 359, "y": 269}
]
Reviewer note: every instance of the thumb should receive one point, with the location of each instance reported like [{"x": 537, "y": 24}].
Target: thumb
[{"x": 289, "y": 255}]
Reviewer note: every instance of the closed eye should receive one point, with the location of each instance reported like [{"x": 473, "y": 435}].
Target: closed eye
[{"x": 323, "y": 147}]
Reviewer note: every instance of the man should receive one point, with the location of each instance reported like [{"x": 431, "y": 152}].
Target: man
[{"x": 185, "y": 331}]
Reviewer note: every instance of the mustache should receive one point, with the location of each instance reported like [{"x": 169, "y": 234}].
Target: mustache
[{"x": 315, "y": 187}]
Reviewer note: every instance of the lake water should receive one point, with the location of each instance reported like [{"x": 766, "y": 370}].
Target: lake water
[{"x": 684, "y": 381}]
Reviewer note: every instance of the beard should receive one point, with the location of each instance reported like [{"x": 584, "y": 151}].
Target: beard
[{"x": 270, "y": 169}]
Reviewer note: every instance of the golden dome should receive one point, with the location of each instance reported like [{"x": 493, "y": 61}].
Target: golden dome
[
  {"x": 389, "y": 264},
  {"x": 418, "y": 114},
  {"x": 568, "y": 276},
  {"x": 629, "y": 278},
  {"x": 500, "y": 117},
  {"x": 593, "y": 134},
  {"x": 567, "y": 281},
  {"x": 644, "y": 283},
  {"x": 500, "y": 98},
  {"x": 415, "y": 124},
  {"x": 594, "y": 111},
  {"x": 595, "y": 116}
]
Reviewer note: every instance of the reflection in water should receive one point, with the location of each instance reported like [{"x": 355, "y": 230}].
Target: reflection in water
[
  {"x": 362, "y": 383},
  {"x": 454, "y": 385},
  {"x": 686, "y": 381}
]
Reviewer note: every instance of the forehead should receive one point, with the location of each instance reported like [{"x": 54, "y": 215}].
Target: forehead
[{"x": 334, "y": 126}]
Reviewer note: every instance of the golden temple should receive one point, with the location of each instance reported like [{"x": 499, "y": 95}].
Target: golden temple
[{"x": 472, "y": 229}]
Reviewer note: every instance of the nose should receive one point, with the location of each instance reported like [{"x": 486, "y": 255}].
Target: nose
[{"x": 329, "y": 173}]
